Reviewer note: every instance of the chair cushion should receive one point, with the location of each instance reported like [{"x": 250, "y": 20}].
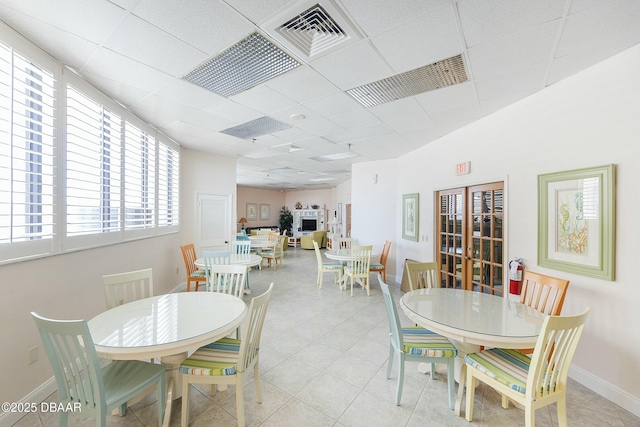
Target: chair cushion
[
  {"x": 376, "y": 266},
  {"x": 423, "y": 342},
  {"x": 218, "y": 358},
  {"x": 332, "y": 266},
  {"x": 508, "y": 367},
  {"x": 198, "y": 273}
]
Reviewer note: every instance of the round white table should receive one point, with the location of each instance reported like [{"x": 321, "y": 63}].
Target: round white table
[
  {"x": 473, "y": 319},
  {"x": 344, "y": 256},
  {"x": 166, "y": 326},
  {"x": 249, "y": 260}
]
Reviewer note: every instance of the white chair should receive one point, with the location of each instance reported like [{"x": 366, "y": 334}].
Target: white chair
[
  {"x": 82, "y": 382},
  {"x": 227, "y": 360},
  {"x": 277, "y": 253},
  {"x": 358, "y": 267},
  {"x": 531, "y": 381},
  {"x": 422, "y": 275},
  {"x": 228, "y": 279},
  {"x": 241, "y": 247},
  {"x": 416, "y": 344},
  {"x": 122, "y": 288},
  {"x": 323, "y": 267},
  {"x": 343, "y": 243}
]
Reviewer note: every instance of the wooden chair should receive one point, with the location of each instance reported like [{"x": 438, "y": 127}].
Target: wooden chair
[
  {"x": 122, "y": 288},
  {"x": 277, "y": 253},
  {"x": 228, "y": 360},
  {"x": 323, "y": 267},
  {"x": 531, "y": 381},
  {"x": 358, "y": 267},
  {"x": 416, "y": 344},
  {"x": 422, "y": 275},
  {"x": 82, "y": 381},
  {"x": 381, "y": 267},
  {"x": 193, "y": 273}
]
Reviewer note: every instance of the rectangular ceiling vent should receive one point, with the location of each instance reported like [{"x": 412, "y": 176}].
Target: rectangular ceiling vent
[
  {"x": 255, "y": 128},
  {"x": 312, "y": 29},
  {"x": 443, "y": 73},
  {"x": 251, "y": 61}
]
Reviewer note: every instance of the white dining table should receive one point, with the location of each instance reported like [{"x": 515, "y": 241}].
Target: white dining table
[
  {"x": 473, "y": 319},
  {"x": 166, "y": 326},
  {"x": 344, "y": 256},
  {"x": 250, "y": 260}
]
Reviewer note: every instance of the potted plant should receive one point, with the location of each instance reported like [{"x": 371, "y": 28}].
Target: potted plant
[{"x": 286, "y": 219}]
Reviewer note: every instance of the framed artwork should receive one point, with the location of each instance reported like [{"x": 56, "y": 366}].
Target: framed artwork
[
  {"x": 252, "y": 212},
  {"x": 576, "y": 221},
  {"x": 410, "y": 216},
  {"x": 265, "y": 212},
  {"x": 339, "y": 213}
]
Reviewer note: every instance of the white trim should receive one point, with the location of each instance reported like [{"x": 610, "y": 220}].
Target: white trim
[
  {"x": 607, "y": 390},
  {"x": 40, "y": 394}
]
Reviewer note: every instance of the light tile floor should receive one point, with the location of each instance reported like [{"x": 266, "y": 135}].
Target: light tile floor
[{"x": 323, "y": 362}]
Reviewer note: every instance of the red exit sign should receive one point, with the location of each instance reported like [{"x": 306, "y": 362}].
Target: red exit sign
[{"x": 463, "y": 168}]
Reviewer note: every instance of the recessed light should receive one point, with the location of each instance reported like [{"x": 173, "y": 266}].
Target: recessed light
[
  {"x": 297, "y": 117},
  {"x": 337, "y": 156}
]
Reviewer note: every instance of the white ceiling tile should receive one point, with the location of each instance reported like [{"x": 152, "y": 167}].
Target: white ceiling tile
[
  {"x": 356, "y": 119},
  {"x": 483, "y": 21},
  {"x": 464, "y": 113},
  {"x": 264, "y": 99},
  {"x": 353, "y": 135},
  {"x": 260, "y": 11},
  {"x": 126, "y": 95},
  {"x": 302, "y": 84},
  {"x": 396, "y": 110},
  {"x": 234, "y": 112},
  {"x": 353, "y": 66},
  {"x": 285, "y": 114},
  {"x": 207, "y": 121},
  {"x": 515, "y": 51},
  {"x": 523, "y": 80},
  {"x": 375, "y": 17},
  {"x": 612, "y": 27},
  {"x": 403, "y": 47},
  {"x": 494, "y": 104},
  {"x": 568, "y": 65},
  {"x": 210, "y": 26},
  {"x": 164, "y": 107},
  {"x": 447, "y": 97},
  {"x": 418, "y": 138},
  {"x": 174, "y": 58},
  {"x": 295, "y": 135},
  {"x": 319, "y": 127},
  {"x": 334, "y": 104},
  {"x": 187, "y": 93},
  {"x": 419, "y": 121}
]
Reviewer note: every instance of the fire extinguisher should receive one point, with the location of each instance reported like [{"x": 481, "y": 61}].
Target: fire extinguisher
[{"x": 516, "y": 269}]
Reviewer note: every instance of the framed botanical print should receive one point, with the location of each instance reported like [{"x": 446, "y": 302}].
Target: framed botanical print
[
  {"x": 265, "y": 212},
  {"x": 410, "y": 216},
  {"x": 252, "y": 212},
  {"x": 576, "y": 221}
]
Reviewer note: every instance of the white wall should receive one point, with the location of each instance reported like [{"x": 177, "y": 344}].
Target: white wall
[{"x": 591, "y": 119}]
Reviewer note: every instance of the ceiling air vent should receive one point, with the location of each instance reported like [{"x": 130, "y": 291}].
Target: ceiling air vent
[
  {"x": 312, "y": 29},
  {"x": 255, "y": 128},
  {"x": 246, "y": 64},
  {"x": 443, "y": 73}
]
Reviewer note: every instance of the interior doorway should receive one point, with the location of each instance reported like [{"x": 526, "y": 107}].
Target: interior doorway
[
  {"x": 347, "y": 217},
  {"x": 213, "y": 229}
]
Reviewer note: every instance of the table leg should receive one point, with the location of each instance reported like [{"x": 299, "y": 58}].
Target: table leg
[{"x": 171, "y": 364}]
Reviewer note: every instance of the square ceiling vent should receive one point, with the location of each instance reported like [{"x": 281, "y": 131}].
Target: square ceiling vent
[
  {"x": 255, "y": 128},
  {"x": 443, "y": 73},
  {"x": 246, "y": 64},
  {"x": 311, "y": 29}
]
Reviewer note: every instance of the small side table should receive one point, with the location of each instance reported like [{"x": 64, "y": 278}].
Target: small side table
[{"x": 294, "y": 241}]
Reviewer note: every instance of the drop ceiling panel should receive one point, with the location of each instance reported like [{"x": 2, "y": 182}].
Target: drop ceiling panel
[
  {"x": 419, "y": 121},
  {"x": 447, "y": 97},
  {"x": 374, "y": 18},
  {"x": 319, "y": 127},
  {"x": 488, "y": 20},
  {"x": 356, "y": 119},
  {"x": 260, "y": 11},
  {"x": 126, "y": 95},
  {"x": 515, "y": 51},
  {"x": 353, "y": 66},
  {"x": 396, "y": 110},
  {"x": 302, "y": 84},
  {"x": 403, "y": 47},
  {"x": 264, "y": 99},
  {"x": 494, "y": 104},
  {"x": 207, "y": 121},
  {"x": 464, "y": 113},
  {"x": 525, "y": 79},
  {"x": 334, "y": 104},
  {"x": 210, "y": 26},
  {"x": 285, "y": 114},
  {"x": 186, "y": 93},
  {"x": 164, "y": 107},
  {"x": 234, "y": 112},
  {"x": 358, "y": 134}
]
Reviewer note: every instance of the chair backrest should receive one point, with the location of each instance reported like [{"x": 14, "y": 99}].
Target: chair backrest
[
  {"x": 316, "y": 248},
  {"x": 244, "y": 232},
  {"x": 553, "y": 353},
  {"x": 422, "y": 275},
  {"x": 228, "y": 279},
  {"x": 122, "y": 288},
  {"x": 385, "y": 253},
  {"x": 361, "y": 259},
  {"x": 544, "y": 293},
  {"x": 242, "y": 237},
  {"x": 278, "y": 248},
  {"x": 250, "y": 341},
  {"x": 344, "y": 243},
  {"x": 392, "y": 316},
  {"x": 241, "y": 246},
  {"x": 189, "y": 256},
  {"x": 75, "y": 363}
]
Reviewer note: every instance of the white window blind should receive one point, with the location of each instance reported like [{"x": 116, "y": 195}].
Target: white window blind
[
  {"x": 26, "y": 149},
  {"x": 168, "y": 186},
  {"x": 139, "y": 178},
  {"x": 93, "y": 166}
]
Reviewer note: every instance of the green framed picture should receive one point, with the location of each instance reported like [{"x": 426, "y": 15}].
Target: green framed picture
[
  {"x": 410, "y": 216},
  {"x": 576, "y": 221}
]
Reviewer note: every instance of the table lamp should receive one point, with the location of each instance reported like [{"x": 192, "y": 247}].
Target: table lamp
[{"x": 243, "y": 221}]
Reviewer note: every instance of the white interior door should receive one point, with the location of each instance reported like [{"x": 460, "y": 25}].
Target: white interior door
[{"x": 213, "y": 222}]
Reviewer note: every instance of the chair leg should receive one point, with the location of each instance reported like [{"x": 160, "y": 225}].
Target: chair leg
[
  {"x": 64, "y": 418},
  {"x": 351, "y": 285},
  {"x": 161, "y": 396},
  {"x": 400, "y": 379},
  {"x": 529, "y": 416},
  {"x": 561, "y": 406},
  {"x": 256, "y": 379},
  {"x": 239, "y": 402},
  {"x": 433, "y": 370},
  {"x": 184, "y": 418},
  {"x": 390, "y": 362},
  {"x": 471, "y": 389},
  {"x": 505, "y": 401}
]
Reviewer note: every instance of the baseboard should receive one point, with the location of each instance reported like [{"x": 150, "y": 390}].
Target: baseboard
[
  {"x": 608, "y": 391},
  {"x": 38, "y": 395}
]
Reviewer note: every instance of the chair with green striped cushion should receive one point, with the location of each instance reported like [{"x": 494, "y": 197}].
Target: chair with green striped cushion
[
  {"x": 416, "y": 345},
  {"x": 324, "y": 267},
  {"x": 532, "y": 381},
  {"x": 227, "y": 360}
]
